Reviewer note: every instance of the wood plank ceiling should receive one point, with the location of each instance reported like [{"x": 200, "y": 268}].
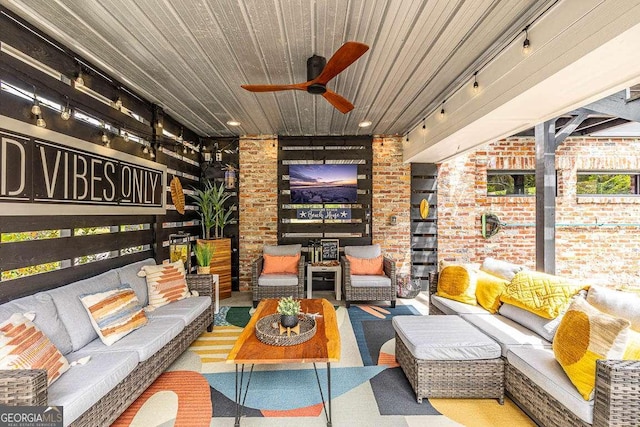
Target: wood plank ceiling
[{"x": 191, "y": 56}]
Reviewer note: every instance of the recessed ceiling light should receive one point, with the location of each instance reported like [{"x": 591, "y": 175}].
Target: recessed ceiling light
[
  {"x": 233, "y": 123},
  {"x": 364, "y": 124}
]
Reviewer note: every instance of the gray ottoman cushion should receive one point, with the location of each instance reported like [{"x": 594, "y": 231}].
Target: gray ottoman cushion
[{"x": 444, "y": 338}]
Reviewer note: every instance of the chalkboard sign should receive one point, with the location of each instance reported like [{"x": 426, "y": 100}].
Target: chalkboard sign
[{"x": 330, "y": 249}]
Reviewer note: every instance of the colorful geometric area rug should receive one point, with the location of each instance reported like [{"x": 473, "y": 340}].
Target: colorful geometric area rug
[{"x": 368, "y": 387}]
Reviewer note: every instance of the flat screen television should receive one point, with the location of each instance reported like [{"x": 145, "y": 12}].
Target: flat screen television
[{"x": 323, "y": 183}]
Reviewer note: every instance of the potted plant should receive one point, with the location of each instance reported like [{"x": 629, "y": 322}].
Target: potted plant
[
  {"x": 288, "y": 309},
  {"x": 204, "y": 253}
]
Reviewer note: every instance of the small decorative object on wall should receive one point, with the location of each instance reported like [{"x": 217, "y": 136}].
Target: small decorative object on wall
[
  {"x": 180, "y": 248},
  {"x": 330, "y": 249},
  {"x": 177, "y": 195},
  {"x": 424, "y": 209},
  {"x": 325, "y": 183},
  {"x": 490, "y": 225}
]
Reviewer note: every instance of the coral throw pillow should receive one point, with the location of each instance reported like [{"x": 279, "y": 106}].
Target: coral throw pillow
[
  {"x": 585, "y": 335},
  {"x": 488, "y": 291},
  {"x": 366, "y": 266},
  {"x": 276, "y": 264},
  {"x": 458, "y": 282},
  {"x": 165, "y": 283},
  {"x": 24, "y": 346},
  {"x": 114, "y": 313}
]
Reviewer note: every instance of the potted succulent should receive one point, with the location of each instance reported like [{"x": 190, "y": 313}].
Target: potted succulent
[
  {"x": 288, "y": 309},
  {"x": 204, "y": 253}
]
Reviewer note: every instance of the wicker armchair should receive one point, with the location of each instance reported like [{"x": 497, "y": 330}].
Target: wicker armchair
[
  {"x": 277, "y": 285},
  {"x": 355, "y": 286}
]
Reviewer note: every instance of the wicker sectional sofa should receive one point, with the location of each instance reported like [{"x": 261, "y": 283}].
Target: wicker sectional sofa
[
  {"x": 536, "y": 382},
  {"x": 96, "y": 393}
]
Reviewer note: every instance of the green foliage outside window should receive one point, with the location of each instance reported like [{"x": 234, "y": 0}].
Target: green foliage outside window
[
  {"x": 619, "y": 184},
  {"x": 503, "y": 184}
]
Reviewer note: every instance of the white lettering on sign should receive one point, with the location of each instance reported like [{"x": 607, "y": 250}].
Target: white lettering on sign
[{"x": 4, "y": 172}]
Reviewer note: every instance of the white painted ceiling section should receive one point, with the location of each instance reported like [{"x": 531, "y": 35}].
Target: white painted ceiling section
[{"x": 581, "y": 51}]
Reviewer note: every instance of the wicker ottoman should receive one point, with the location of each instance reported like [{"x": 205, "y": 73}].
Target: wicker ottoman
[{"x": 444, "y": 356}]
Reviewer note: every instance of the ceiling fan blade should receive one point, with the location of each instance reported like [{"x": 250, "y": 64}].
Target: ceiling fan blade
[
  {"x": 275, "y": 88},
  {"x": 338, "y": 101},
  {"x": 345, "y": 56}
]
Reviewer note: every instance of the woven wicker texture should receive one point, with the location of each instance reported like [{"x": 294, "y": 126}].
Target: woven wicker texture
[
  {"x": 266, "y": 292},
  {"x": 21, "y": 387},
  {"x": 268, "y": 334},
  {"x": 373, "y": 293},
  {"x": 177, "y": 195},
  {"x": 452, "y": 378}
]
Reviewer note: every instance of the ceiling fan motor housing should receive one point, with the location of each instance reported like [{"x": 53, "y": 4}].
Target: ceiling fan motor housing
[{"x": 315, "y": 65}]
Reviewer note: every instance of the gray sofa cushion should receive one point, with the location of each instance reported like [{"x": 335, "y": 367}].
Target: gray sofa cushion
[
  {"x": 83, "y": 386},
  {"x": 370, "y": 281},
  {"x": 541, "y": 368},
  {"x": 146, "y": 341},
  {"x": 546, "y": 328},
  {"x": 368, "y": 252},
  {"x": 71, "y": 311},
  {"x": 444, "y": 338},
  {"x": 186, "y": 309},
  {"x": 129, "y": 276},
  {"x": 506, "y": 332},
  {"x": 502, "y": 269},
  {"x": 278, "y": 280},
  {"x": 449, "y": 306},
  {"x": 47, "y": 319},
  {"x": 282, "y": 250}
]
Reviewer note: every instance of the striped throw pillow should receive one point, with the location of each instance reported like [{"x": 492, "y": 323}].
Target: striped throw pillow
[
  {"x": 24, "y": 346},
  {"x": 166, "y": 283},
  {"x": 114, "y": 313}
]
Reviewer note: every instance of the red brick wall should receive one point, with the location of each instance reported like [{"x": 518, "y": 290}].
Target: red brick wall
[
  {"x": 259, "y": 211},
  {"x": 603, "y": 253},
  {"x": 258, "y": 200}
]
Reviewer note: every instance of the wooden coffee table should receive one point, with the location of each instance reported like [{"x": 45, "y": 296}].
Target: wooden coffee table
[{"x": 324, "y": 347}]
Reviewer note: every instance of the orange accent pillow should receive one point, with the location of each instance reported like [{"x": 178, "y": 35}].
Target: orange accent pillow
[
  {"x": 368, "y": 266},
  {"x": 275, "y": 264}
]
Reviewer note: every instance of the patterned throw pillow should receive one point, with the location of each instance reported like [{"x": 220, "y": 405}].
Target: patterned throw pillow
[
  {"x": 366, "y": 266},
  {"x": 488, "y": 291},
  {"x": 114, "y": 313},
  {"x": 458, "y": 282},
  {"x": 543, "y": 294},
  {"x": 24, "y": 346},
  {"x": 585, "y": 335},
  {"x": 276, "y": 264},
  {"x": 166, "y": 283}
]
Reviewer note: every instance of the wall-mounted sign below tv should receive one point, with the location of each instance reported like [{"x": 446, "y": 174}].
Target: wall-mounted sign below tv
[{"x": 323, "y": 183}]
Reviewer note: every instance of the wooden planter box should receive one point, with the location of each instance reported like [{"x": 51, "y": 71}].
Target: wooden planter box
[{"x": 221, "y": 263}]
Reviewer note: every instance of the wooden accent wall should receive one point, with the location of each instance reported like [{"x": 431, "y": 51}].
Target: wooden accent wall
[
  {"x": 150, "y": 237},
  {"x": 343, "y": 150}
]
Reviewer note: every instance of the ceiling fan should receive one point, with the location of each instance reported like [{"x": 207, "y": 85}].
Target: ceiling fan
[{"x": 319, "y": 72}]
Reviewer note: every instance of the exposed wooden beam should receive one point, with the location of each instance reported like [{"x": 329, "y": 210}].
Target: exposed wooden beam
[
  {"x": 616, "y": 105},
  {"x": 546, "y": 197}
]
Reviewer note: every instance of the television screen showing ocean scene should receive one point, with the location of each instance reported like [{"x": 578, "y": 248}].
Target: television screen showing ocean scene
[{"x": 323, "y": 183}]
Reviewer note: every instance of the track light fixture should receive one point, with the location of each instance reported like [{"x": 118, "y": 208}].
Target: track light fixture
[
  {"x": 476, "y": 86},
  {"x": 40, "y": 122},
  {"x": 65, "y": 113},
  {"x": 526, "y": 45},
  {"x": 125, "y": 136},
  {"x": 145, "y": 150},
  {"x": 35, "y": 108},
  {"x": 78, "y": 80},
  {"x": 152, "y": 153},
  {"x": 184, "y": 149}
]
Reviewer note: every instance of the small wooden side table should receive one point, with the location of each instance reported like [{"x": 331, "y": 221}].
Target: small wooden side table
[{"x": 336, "y": 269}]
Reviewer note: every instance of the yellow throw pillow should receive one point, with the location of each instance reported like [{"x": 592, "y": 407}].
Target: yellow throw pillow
[
  {"x": 632, "y": 352},
  {"x": 543, "y": 294},
  {"x": 458, "y": 282},
  {"x": 585, "y": 335},
  {"x": 488, "y": 291}
]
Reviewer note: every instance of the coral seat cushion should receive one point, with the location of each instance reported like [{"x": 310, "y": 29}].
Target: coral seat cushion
[
  {"x": 274, "y": 264},
  {"x": 366, "y": 266}
]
